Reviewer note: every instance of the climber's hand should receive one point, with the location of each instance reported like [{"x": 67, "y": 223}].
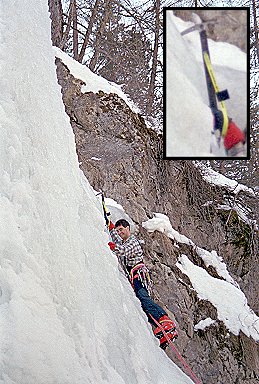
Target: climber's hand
[
  {"x": 234, "y": 140},
  {"x": 111, "y": 245},
  {"x": 233, "y": 136}
]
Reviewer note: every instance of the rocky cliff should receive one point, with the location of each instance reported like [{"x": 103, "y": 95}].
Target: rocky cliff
[{"x": 120, "y": 155}]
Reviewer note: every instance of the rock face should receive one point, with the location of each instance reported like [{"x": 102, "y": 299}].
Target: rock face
[
  {"x": 120, "y": 155},
  {"x": 222, "y": 25}
]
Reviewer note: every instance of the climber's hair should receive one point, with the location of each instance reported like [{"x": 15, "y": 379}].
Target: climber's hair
[{"x": 122, "y": 222}]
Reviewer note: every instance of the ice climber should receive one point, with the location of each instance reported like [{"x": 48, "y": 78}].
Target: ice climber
[{"x": 130, "y": 254}]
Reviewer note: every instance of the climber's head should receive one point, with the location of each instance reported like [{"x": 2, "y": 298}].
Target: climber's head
[{"x": 123, "y": 228}]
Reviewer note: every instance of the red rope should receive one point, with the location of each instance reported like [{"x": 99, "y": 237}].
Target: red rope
[{"x": 177, "y": 353}]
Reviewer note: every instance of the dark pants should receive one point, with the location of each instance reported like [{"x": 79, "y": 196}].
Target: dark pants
[{"x": 147, "y": 303}]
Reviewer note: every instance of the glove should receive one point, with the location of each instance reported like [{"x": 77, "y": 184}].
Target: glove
[
  {"x": 218, "y": 120},
  {"x": 233, "y": 136},
  {"x": 111, "y": 226},
  {"x": 111, "y": 245}
]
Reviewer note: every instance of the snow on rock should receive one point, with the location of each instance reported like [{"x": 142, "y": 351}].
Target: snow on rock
[
  {"x": 241, "y": 211},
  {"x": 214, "y": 177},
  {"x": 231, "y": 303},
  {"x": 93, "y": 82},
  {"x": 204, "y": 324},
  {"x": 161, "y": 223},
  {"x": 225, "y": 295},
  {"x": 216, "y": 261},
  {"x": 66, "y": 313}
]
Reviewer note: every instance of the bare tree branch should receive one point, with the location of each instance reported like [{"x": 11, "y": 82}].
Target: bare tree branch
[
  {"x": 69, "y": 23},
  {"x": 150, "y": 95},
  {"x": 89, "y": 31}
]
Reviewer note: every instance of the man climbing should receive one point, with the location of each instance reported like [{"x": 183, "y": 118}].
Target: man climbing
[{"x": 130, "y": 254}]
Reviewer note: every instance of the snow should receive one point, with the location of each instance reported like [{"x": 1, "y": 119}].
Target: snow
[
  {"x": 241, "y": 212},
  {"x": 187, "y": 113},
  {"x": 204, "y": 324},
  {"x": 231, "y": 303},
  {"x": 67, "y": 314},
  {"x": 92, "y": 82},
  {"x": 216, "y": 261},
  {"x": 225, "y": 295},
  {"x": 216, "y": 178},
  {"x": 161, "y": 223},
  {"x": 189, "y": 121},
  {"x": 117, "y": 212}
]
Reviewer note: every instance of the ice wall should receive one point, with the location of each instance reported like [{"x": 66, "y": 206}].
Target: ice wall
[{"x": 67, "y": 315}]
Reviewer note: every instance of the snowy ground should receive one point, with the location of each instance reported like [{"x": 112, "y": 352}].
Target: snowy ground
[
  {"x": 67, "y": 315},
  {"x": 189, "y": 121}
]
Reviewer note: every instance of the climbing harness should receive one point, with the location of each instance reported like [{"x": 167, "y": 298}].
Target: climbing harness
[{"x": 141, "y": 272}]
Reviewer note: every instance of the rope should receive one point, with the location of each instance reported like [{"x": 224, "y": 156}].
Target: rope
[{"x": 177, "y": 353}]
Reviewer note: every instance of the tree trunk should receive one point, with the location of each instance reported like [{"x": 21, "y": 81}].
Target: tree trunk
[
  {"x": 89, "y": 31},
  {"x": 256, "y": 31},
  {"x": 75, "y": 31},
  {"x": 56, "y": 15},
  {"x": 69, "y": 22},
  {"x": 98, "y": 38},
  {"x": 151, "y": 89}
]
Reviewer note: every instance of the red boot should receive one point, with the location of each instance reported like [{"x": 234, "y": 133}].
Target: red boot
[
  {"x": 164, "y": 340},
  {"x": 167, "y": 325}
]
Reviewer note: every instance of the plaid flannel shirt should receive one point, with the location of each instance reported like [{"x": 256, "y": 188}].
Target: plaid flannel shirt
[{"x": 129, "y": 252}]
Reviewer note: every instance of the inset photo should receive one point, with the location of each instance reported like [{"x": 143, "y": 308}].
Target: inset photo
[{"x": 206, "y": 83}]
